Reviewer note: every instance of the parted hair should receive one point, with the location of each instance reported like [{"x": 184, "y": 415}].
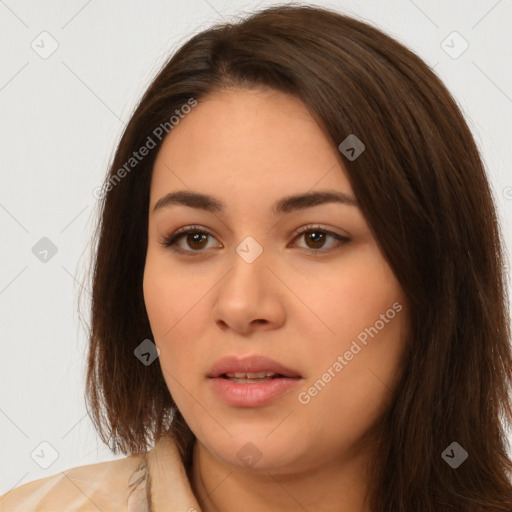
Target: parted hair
[{"x": 422, "y": 187}]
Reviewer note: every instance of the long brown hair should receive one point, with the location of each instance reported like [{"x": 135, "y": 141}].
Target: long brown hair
[{"x": 422, "y": 188}]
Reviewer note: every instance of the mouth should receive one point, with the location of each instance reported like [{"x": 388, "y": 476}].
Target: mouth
[
  {"x": 250, "y": 368},
  {"x": 252, "y": 377},
  {"x": 253, "y": 381}
]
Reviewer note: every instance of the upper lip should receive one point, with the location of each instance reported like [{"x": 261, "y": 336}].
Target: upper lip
[{"x": 250, "y": 364}]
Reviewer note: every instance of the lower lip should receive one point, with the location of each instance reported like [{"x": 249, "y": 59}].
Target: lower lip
[{"x": 255, "y": 394}]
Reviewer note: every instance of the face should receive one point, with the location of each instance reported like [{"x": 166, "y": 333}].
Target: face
[{"x": 294, "y": 297}]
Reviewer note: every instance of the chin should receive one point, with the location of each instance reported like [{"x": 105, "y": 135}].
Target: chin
[{"x": 258, "y": 449}]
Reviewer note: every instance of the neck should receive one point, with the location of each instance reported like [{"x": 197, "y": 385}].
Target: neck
[{"x": 333, "y": 487}]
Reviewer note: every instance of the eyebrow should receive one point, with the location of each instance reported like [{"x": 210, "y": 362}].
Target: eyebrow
[{"x": 285, "y": 205}]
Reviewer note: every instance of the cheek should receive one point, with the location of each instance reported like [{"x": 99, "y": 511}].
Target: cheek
[
  {"x": 365, "y": 310},
  {"x": 170, "y": 296},
  {"x": 173, "y": 305},
  {"x": 343, "y": 300},
  {"x": 351, "y": 401}
]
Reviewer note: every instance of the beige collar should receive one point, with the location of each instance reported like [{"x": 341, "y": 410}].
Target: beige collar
[{"x": 160, "y": 482}]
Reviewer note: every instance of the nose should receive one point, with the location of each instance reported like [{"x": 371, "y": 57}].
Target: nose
[{"x": 249, "y": 297}]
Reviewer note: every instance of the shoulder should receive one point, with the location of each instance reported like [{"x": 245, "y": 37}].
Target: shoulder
[{"x": 102, "y": 486}]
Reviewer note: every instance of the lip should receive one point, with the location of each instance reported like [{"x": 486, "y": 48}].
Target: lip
[
  {"x": 256, "y": 363},
  {"x": 255, "y": 394}
]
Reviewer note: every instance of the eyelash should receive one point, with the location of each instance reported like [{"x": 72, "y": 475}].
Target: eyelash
[{"x": 171, "y": 240}]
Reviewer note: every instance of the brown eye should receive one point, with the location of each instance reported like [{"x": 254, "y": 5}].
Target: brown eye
[
  {"x": 196, "y": 240},
  {"x": 315, "y": 238},
  {"x": 192, "y": 240}
]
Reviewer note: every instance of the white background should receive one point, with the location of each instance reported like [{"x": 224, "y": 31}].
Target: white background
[{"x": 61, "y": 118}]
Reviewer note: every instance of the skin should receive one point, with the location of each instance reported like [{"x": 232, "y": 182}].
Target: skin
[{"x": 302, "y": 308}]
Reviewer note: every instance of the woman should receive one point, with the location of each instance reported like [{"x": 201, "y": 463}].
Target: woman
[{"x": 298, "y": 291}]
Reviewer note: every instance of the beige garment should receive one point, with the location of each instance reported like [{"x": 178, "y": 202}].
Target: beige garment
[{"x": 156, "y": 482}]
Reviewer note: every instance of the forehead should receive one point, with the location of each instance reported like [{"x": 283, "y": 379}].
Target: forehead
[{"x": 248, "y": 143}]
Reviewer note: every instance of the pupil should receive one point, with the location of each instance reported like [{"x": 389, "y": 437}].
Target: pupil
[
  {"x": 196, "y": 238},
  {"x": 319, "y": 238}
]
